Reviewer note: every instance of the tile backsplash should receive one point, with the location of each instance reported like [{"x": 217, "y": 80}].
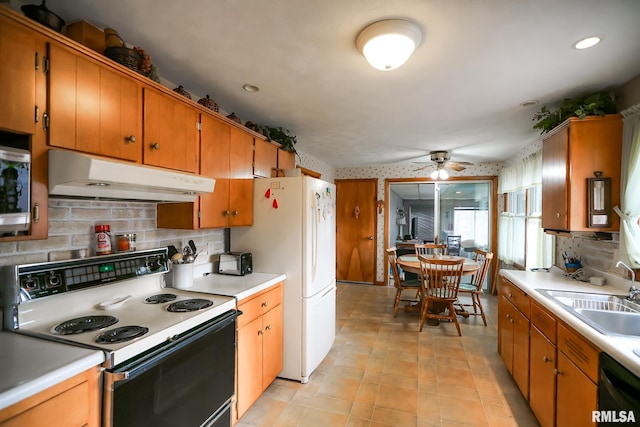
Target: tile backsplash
[{"x": 71, "y": 231}]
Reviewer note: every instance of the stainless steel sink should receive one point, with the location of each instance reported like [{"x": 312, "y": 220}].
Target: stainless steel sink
[{"x": 608, "y": 314}]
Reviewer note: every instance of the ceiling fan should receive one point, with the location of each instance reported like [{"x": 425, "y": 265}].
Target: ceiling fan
[{"x": 442, "y": 161}]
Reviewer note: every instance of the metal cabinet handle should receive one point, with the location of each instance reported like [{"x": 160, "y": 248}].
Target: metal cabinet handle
[
  {"x": 557, "y": 214},
  {"x": 155, "y": 146},
  {"x": 557, "y": 372},
  {"x": 510, "y": 295},
  {"x": 264, "y": 304},
  {"x": 268, "y": 328},
  {"x": 545, "y": 359},
  {"x": 132, "y": 139},
  {"x": 235, "y": 212},
  {"x": 225, "y": 213},
  {"x": 370, "y": 237},
  {"x": 260, "y": 332},
  {"x": 36, "y": 212}
]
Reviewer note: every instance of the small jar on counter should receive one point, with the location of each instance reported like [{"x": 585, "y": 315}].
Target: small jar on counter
[
  {"x": 126, "y": 242},
  {"x": 103, "y": 239}
]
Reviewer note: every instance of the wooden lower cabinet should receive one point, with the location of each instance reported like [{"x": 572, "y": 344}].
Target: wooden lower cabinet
[
  {"x": 577, "y": 395},
  {"x": 259, "y": 346},
  {"x": 73, "y": 402},
  {"x": 542, "y": 386}
]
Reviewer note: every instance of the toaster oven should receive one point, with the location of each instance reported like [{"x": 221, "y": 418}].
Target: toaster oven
[{"x": 236, "y": 263}]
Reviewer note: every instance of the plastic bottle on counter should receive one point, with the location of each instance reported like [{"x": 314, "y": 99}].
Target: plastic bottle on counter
[{"x": 103, "y": 239}]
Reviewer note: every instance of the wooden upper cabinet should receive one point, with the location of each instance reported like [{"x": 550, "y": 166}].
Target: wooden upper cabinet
[
  {"x": 21, "y": 54},
  {"x": 265, "y": 158},
  {"x": 170, "y": 132},
  {"x": 214, "y": 207},
  {"x": 240, "y": 154},
  {"x": 93, "y": 108},
  {"x": 573, "y": 152},
  {"x": 286, "y": 160}
]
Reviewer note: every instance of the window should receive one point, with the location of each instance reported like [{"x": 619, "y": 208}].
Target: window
[{"x": 522, "y": 242}]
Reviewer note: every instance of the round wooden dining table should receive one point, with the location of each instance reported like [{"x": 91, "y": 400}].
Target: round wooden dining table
[{"x": 410, "y": 263}]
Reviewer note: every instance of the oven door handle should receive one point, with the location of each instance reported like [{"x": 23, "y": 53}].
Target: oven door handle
[{"x": 139, "y": 366}]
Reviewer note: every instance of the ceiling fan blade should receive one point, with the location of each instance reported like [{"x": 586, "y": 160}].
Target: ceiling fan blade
[
  {"x": 455, "y": 166},
  {"x": 421, "y": 167}
]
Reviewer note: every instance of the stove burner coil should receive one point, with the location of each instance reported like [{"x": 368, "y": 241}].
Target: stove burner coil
[
  {"x": 160, "y": 298},
  {"x": 186, "y": 305},
  {"x": 84, "y": 324},
  {"x": 121, "y": 334}
]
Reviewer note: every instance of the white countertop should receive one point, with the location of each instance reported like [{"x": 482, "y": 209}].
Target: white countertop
[
  {"x": 29, "y": 365},
  {"x": 239, "y": 287},
  {"x": 620, "y": 348}
]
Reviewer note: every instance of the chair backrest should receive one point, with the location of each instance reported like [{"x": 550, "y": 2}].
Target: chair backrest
[
  {"x": 393, "y": 263},
  {"x": 453, "y": 244},
  {"x": 430, "y": 248},
  {"x": 441, "y": 276},
  {"x": 483, "y": 259}
]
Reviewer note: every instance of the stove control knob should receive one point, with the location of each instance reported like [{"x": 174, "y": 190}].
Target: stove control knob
[
  {"x": 53, "y": 280},
  {"x": 30, "y": 283}
]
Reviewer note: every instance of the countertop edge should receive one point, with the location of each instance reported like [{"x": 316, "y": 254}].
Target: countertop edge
[
  {"x": 620, "y": 348},
  {"x": 240, "y": 287}
]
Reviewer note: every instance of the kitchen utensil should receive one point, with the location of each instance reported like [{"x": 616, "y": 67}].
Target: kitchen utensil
[
  {"x": 192, "y": 245},
  {"x": 189, "y": 258},
  {"x": 41, "y": 14},
  {"x": 177, "y": 258},
  {"x": 172, "y": 251}
]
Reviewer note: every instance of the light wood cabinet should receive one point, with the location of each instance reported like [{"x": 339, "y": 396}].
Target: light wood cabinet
[
  {"x": 577, "y": 395},
  {"x": 229, "y": 162},
  {"x": 23, "y": 85},
  {"x": 543, "y": 364},
  {"x": 571, "y": 153},
  {"x": 92, "y": 108},
  {"x": 259, "y": 345},
  {"x": 171, "y": 137},
  {"x": 513, "y": 333},
  {"x": 265, "y": 159},
  {"x": 286, "y": 160},
  {"x": 21, "y": 55},
  {"x": 73, "y": 402}
]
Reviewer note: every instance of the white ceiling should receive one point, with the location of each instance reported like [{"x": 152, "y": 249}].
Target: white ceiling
[{"x": 460, "y": 90}]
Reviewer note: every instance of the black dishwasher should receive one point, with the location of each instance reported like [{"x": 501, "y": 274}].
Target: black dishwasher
[{"x": 618, "y": 394}]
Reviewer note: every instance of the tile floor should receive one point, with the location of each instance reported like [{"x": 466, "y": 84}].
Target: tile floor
[{"x": 382, "y": 372}]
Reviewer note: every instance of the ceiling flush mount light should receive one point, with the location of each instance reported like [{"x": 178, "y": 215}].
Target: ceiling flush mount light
[
  {"x": 389, "y": 43},
  {"x": 250, "y": 88},
  {"x": 587, "y": 42}
]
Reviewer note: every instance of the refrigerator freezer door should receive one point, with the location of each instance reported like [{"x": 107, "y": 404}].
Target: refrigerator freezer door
[
  {"x": 319, "y": 329},
  {"x": 319, "y": 236}
]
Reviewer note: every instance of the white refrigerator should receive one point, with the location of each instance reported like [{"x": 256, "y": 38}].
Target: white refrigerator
[{"x": 294, "y": 232}]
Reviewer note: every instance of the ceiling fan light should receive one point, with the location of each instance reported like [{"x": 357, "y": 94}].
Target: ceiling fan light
[
  {"x": 434, "y": 174},
  {"x": 389, "y": 43},
  {"x": 443, "y": 174}
]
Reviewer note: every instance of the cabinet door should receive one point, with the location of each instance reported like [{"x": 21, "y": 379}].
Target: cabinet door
[
  {"x": 555, "y": 155},
  {"x": 249, "y": 368},
  {"x": 265, "y": 158},
  {"x": 272, "y": 346},
  {"x": 521, "y": 352},
  {"x": 170, "y": 133},
  {"x": 286, "y": 160},
  {"x": 577, "y": 395},
  {"x": 240, "y": 154},
  {"x": 214, "y": 162},
  {"x": 92, "y": 108},
  {"x": 506, "y": 313},
  {"x": 241, "y": 202},
  {"x": 542, "y": 387},
  {"x": 18, "y": 56}
]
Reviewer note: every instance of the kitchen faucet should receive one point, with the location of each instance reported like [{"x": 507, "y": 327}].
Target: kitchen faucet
[{"x": 634, "y": 293}]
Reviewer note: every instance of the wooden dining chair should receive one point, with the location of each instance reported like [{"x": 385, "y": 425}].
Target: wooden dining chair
[
  {"x": 430, "y": 248},
  {"x": 414, "y": 285},
  {"x": 440, "y": 285},
  {"x": 474, "y": 289}
]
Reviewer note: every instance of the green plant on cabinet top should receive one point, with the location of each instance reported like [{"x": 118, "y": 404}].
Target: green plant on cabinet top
[{"x": 597, "y": 104}]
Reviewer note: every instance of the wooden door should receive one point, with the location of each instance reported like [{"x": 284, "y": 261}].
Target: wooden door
[
  {"x": 555, "y": 155},
  {"x": 215, "y": 164},
  {"x": 170, "y": 133},
  {"x": 249, "y": 364},
  {"x": 356, "y": 222},
  {"x": 542, "y": 386},
  {"x": 505, "y": 331},
  {"x": 265, "y": 158},
  {"x": 271, "y": 345},
  {"x": 577, "y": 395},
  {"x": 521, "y": 352},
  {"x": 18, "y": 77},
  {"x": 286, "y": 160}
]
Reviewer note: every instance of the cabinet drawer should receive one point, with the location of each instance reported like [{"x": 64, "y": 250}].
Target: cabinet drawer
[
  {"x": 580, "y": 351},
  {"x": 516, "y": 296},
  {"x": 257, "y": 305},
  {"x": 544, "y": 321}
]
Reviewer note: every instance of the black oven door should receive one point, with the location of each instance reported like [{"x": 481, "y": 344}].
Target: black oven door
[{"x": 189, "y": 382}]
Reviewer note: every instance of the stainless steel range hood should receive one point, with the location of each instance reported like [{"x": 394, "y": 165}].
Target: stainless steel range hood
[{"x": 82, "y": 175}]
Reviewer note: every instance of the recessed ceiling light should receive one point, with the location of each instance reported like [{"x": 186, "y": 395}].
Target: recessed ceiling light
[
  {"x": 250, "y": 88},
  {"x": 529, "y": 103},
  {"x": 587, "y": 42}
]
